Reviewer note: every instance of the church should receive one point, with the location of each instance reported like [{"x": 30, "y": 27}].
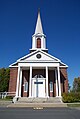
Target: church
[{"x": 38, "y": 74}]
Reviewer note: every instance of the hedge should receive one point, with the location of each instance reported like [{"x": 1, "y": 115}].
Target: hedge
[{"x": 71, "y": 97}]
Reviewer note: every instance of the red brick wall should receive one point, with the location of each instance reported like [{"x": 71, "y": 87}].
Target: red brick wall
[
  {"x": 51, "y": 94},
  {"x": 54, "y": 89},
  {"x": 13, "y": 79},
  {"x": 64, "y": 80},
  {"x": 62, "y": 87},
  {"x": 51, "y": 78},
  {"x": 66, "y": 86},
  {"x": 25, "y": 74}
]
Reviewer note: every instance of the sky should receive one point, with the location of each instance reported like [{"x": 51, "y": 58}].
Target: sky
[{"x": 61, "y": 25}]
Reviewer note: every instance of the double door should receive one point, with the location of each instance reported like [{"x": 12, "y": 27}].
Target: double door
[{"x": 38, "y": 87}]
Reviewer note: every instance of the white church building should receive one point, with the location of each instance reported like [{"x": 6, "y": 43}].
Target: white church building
[{"x": 38, "y": 74}]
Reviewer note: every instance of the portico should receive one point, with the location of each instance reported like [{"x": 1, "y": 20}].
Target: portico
[{"x": 38, "y": 82}]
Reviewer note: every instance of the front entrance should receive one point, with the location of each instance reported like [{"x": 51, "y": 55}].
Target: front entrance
[{"x": 38, "y": 86}]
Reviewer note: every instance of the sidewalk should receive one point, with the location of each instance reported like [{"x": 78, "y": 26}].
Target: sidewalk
[{"x": 4, "y": 103}]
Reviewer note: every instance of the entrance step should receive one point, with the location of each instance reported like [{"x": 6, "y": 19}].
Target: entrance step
[
  {"x": 39, "y": 100},
  {"x": 38, "y": 105}
]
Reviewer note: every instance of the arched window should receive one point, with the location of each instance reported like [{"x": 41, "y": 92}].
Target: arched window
[{"x": 38, "y": 43}]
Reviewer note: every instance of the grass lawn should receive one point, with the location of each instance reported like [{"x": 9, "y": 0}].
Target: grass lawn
[
  {"x": 73, "y": 105},
  {"x": 5, "y": 99}
]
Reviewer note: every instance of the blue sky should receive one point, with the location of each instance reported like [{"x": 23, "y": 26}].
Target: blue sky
[{"x": 61, "y": 24}]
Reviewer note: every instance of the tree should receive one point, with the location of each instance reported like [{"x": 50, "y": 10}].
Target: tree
[
  {"x": 69, "y": 87},
  {"x": 4, "y": 79},
  {"x": 76, "y": 84}
]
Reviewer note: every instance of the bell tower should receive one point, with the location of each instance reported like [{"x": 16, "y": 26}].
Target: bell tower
[{"x": 38, "y": 39}]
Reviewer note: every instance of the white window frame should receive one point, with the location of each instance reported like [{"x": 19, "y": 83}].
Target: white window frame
[
  {"x": 26, "y": 87},
  {"x": 51, "y": 86}
]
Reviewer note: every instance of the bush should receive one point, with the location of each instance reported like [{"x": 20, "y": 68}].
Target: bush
[
  {"x": 9, "y": 97},
  {"x": 71, "y": 97}
]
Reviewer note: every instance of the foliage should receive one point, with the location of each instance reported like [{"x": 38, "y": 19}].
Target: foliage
[
  {"x": 76, "y": 85},
  {"x": 73, "y": 105},
  {"x": 4, "y": 79},
  {"x": 69, "y": 87},
  {"x": 9, "y": 97},
  {"x": 71, "y": 97}
]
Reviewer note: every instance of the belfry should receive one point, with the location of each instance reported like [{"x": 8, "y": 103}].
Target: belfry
[{"x": 38, "y": 74}]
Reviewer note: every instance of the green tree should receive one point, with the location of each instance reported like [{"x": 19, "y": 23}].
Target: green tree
[
  {"x": 76, "y": 85},
  {"x": 4, "y": 79}
]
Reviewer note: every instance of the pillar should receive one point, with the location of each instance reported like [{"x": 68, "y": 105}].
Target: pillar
[
  {"x": 59, "y": 83},
  {"x": 56, "y": 83},
  {"x": 17, "y": 86},
  {"x": 30, "y": 92},
  {"x": 47, "y": 95},
  {"x": 20, "y": 84}
]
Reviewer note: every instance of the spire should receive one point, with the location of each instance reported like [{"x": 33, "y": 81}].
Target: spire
[{"x": 38, "y": 24}]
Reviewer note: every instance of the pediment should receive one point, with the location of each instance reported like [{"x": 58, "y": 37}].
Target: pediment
[{"x": 38, "y": 56}]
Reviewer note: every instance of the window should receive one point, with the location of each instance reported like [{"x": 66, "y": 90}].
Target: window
[
  {"x": 38, "y": 43},
  {"x": 25, "y": 86},
  {"x": 38, "y": 56},
  {"x": 51, "y": 86}
]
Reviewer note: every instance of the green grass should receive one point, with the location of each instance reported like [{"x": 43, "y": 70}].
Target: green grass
[
  {"x": 73, "y": 105},
  {"x": 5, "y": 99}
]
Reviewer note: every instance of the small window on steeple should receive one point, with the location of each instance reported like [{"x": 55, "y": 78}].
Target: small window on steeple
[{"x": 38, "y": 43}]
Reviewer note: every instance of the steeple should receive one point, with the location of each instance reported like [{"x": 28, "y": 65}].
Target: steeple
[
  {"x": 39, "y": 24},
  {"x": 38, "y": 39}
]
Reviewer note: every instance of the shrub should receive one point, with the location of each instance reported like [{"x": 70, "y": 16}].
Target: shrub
[
  {"x": 71, "y": 97},
  {"x": 9, "y": 97}
]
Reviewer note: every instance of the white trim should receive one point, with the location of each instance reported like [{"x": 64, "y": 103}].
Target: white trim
[
  {"x": 30, "y": 82},
  {"x": 64, "y": 66},
  {"x": 47, "y": 95},
  {"x": 39, "y": 50},
  {"x": 38, "y": 64},
  {"x": 39, "y": 34},
  {"x": 13, "y": 66},
  {"x": 39, "y": 61},
  {"x": 56, "y": 83},
  {"x": 17, "y": 86},
  {"x": 59, "y": 83},
  {"x": 20, "y": 82}
]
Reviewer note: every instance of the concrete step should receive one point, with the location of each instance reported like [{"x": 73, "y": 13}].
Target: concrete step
[
  {"x": 38, "y": 105},
  {"x": 39, "y": 100}
]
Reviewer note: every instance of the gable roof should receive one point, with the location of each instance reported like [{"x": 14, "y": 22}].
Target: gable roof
[{"x": 45, "y": 57}]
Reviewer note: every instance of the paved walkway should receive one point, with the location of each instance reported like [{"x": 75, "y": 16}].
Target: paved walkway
[{"x": 4, "y": 103}]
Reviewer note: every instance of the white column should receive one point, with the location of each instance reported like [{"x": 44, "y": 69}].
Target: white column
[
  {"x": 59, "y": 83},
  {"x": 42, "y": 43},
  {"x": 17, "y": 86},
  {"x": 47, "y": 82},
  {"x": 20, "y": 84},
  {"x": 56, "y": 83},
  {"x": 30, "y": 82},
  {"x": 33, "y": 42}
]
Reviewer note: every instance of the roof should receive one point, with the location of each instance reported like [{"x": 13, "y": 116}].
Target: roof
[
  {"x": 44, "y": 58},
  {"x": 39, "y": 25}
]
